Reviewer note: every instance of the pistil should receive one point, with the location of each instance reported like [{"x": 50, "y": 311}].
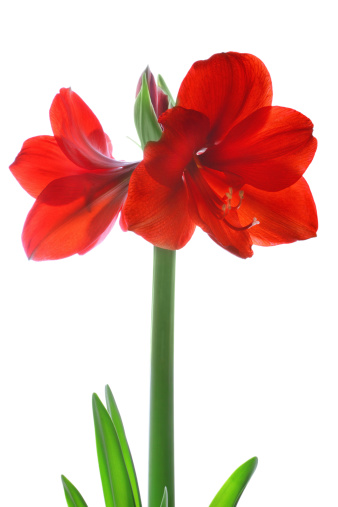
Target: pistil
[{"x": 244, "y": 228}]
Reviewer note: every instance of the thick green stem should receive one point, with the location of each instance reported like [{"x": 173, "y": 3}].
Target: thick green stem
[{"x": 161, "y": 438}]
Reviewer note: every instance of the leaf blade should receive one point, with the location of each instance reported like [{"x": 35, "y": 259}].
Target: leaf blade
[
  {"x": 164, "y": 502},
  {"x": 232, "y": 490},
  {"x": 117, "y": 421},
  {"x": 73, "y": 495},
  {"x": 114, "y": 476}
]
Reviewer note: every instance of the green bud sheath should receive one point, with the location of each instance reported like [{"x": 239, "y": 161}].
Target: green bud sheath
[{"x": 146, "y": 123}]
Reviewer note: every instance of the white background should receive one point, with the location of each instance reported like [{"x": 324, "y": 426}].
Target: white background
[{"x": 256, "y": 360}]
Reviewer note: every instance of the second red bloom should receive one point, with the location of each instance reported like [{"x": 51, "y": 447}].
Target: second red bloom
[{"x": 228, "y": 162}]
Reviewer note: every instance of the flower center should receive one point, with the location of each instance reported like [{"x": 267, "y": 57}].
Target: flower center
[
  {"x": 208, "y": 181},
  {"x": 227, "y": 207}
]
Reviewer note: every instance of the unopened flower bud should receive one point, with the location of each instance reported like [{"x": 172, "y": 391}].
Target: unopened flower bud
[{"x": 159, "y": 99}]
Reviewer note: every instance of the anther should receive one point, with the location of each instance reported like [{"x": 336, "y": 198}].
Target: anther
[
  {"x": 229, "y": 197},
  {"x": 229, "y": 194}
]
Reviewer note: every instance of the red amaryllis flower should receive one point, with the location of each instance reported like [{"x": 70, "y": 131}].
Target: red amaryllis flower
[
  {"x": 79, "y": 187},
  {"x": 227, "y": 161}
]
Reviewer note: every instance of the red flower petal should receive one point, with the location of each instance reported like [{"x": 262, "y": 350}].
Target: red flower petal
[
  {"x": 184, "y": 133},
  {"x": 203, "y": 210},
  {"x": 79, "y": 133},
  {"x": 226, "y": 88},
  {"x": 72, "y": 213},
  {"x": 270, "y": 149},
  {"x": 99, "y": 239},
  {"x": 109, "y": 146},
  {"x": 41, "y": 161},
  {"x": 157, "y": 213},
  {"x": 285, "y": 216}
]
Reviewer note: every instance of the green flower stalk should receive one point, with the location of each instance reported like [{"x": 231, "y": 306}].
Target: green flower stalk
[{"x": 161, "y": 434}]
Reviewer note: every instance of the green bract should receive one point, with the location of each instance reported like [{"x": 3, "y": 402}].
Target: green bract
[
  {"x": 146, "y": 123},
  {"x": 162, "y": 84}
]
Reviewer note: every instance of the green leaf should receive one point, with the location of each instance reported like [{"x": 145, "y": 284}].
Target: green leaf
[
  {"x": 232, "y": 490},
  {"x": 162, "y": 84},
  {"x": 146, "y": 123},
  {"x": 117, "y": 421},
  {"x": 73, "y": 496},
  {"x": 164, "y": 502},
  {"x": 116, "y": 486}
]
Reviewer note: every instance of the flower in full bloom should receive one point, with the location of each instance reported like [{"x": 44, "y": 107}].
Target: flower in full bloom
[
  {"x": 79, "y": 187},
  {"x": 227, "y": 161}
]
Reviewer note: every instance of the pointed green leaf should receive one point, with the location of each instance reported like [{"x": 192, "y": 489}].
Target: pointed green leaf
[
  {"x": 146, "y": 123},
  {"x": 117, "y": 421},
  {"x": 232, "y": 490},
  {"x": 73, "y": 496},
  {"x": 162, "y": 84},
  {"x": 164, "y": 502},
  {"x": 114, "y": 476}
]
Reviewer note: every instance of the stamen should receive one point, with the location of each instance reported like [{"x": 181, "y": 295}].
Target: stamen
[
  {"x": 221, "y": 207},
  {"x": 227, "y": 207},
  {"x": 241, "y": 197},
  {"x": 229, "y": 196}
]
